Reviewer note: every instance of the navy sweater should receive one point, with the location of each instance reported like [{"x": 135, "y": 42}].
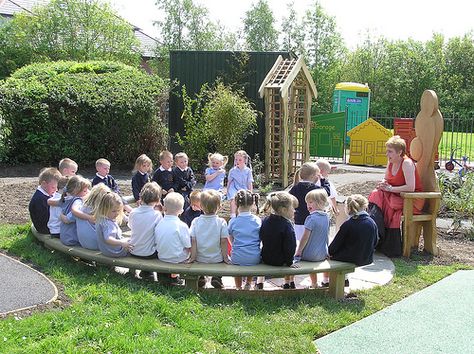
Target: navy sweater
[
  {"x": 183, "y": 179},
  {"x": 355, "y": 241},
  {"x": 138, "y": 181},
  {"x": 189, "y": 215},
  {"x": 299, "y": 190},
  {"x": 164, "y": 179},
  {"x": 109, "y": 181},
  {"x": 278, "y": 241},
  {"x": 39, "y": 211}
]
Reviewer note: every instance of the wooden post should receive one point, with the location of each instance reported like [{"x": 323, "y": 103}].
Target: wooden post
[{"x": 284, "y": 141}]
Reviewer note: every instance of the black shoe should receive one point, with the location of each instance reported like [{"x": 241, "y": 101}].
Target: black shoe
[
  {"x": 201, "y": 282},
  {"x": 346, "y": 282},
  {"x": 216, "y": 282},
  {"x": 144, "y": 274},
  {"x": 325, "y": 284},
  {"x": 292, "y": 285},
  {"x": 286, "y": 286},
  {"x": 176, "y": 281},
  {"x": 259, "y": 286}
]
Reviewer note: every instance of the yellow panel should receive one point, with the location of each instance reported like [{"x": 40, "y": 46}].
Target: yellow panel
[{"x": 352, "y": 86}]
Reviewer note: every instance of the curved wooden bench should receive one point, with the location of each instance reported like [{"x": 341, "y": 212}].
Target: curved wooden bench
[{"x": 191, "y": 272}]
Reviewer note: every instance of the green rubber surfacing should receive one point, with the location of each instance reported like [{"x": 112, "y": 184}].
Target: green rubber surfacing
[{"x": 438, "y": 319}]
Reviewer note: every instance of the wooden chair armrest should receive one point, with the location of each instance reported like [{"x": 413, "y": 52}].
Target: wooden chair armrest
[{"x": 420, "y": 195}]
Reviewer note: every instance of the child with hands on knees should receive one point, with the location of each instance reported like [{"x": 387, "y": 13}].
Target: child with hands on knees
[
  {"x": 244, "y": 234},
  {"x": 277, "y": 233},
  {"x": 305, "y": 181},
  {"x": 209, "y": 235},
  {"x": 313, "y": 246},
  {"x": 183, "y": 177},
  {"x": 142, "y": 175},
  {"x": 77, "y": 188},
  {"x": 163, "y": 175},
  {"x": 109, "y": 216},
  {"x": 38, "y": 205},
  {"x": 86, "y": 232},
  {"x": 54, "y": 223},
  {"x": 240, "y": 177},
  {"x": 215, "y": 172}
]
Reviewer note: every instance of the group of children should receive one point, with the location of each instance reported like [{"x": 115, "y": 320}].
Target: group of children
[{"x": 177, "y": 224}]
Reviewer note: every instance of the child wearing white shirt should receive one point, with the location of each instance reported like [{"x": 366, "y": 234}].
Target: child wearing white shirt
[
  {"x": 172, "y": 240},
  {"x": 209, "y": 235}
]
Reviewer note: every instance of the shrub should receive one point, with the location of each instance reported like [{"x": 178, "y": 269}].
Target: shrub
[
  {"x": 218, "y": 119},
  {"x": 82, "y": 110}
]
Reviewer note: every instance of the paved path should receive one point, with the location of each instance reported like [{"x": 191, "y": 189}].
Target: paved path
[
  {"x": 22, "y": 287},
  {"x": 438, "y": 319}
]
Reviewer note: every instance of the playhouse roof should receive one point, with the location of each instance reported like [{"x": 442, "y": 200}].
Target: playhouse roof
[
  {"x": 282, "y": 74},
  {"x": 369, "y": 122}
]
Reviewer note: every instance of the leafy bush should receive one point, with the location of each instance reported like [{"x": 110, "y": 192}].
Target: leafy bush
[
  {"x": 218, "y": 119},
  {"x": 82, "y": 110}
]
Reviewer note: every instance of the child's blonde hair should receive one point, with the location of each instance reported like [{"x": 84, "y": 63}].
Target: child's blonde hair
[
  {"x": 245, "y": 198},
  {"x": 245, "y": 156},
  {"x": 62, "y": 182},
  {"x": 141, "y": 160},
  {"x": 102, "y": 162},
  {"x": 355, "y": 204},
  {"x": 195, "y": 196},
  {"x": 276, "y": 201},
  {"x": 181, "y": 155},
  {"x": 306, "y": 171},
  {"x": 67, "y": 163},
  {"x": 164, "y": 154},
  {"x": 217, "y": 156},
  {"x": 324, "y": 165},
  {"x": 48, "y": 174},
  {"x": 210, "y": 201},
  {"x": 173, "y": 203},
  {"x": 74, "y": 185},
  {"x": 92, "y": 200},
  {"x": 150, "y": 193},
  {"x": 108, "y": 202},
  {"x": 319, "y": 197}
]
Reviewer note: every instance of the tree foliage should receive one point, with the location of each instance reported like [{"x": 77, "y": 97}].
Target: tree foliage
[
  {"x": 218, "y": 119},
  {"x": 260, "y": 35},
  {"x": 85, "y": 110},
  {"x": 66, "y": 30}
]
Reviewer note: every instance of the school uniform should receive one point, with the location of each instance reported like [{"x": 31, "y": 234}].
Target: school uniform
[
  {"x": 68, "y": 232},
  {"x": 172, "y": 239},
  {"x": 108, "y": 180},
  {"x": 142, "y": 222},
  {"x": 109, "y": 228},
  {"x": 278, "y": 241},
  {"x": 138, "y": 181},
  {"x": 208, "y": 230},
  {"x": 244, "y": 229},
  {"x": 86, "y": 233},
  {"x": 184, "y": 182},
  {"x": 189, "y": 215},
  {"x": 238, "y": 179},
  {"x": 39, "y": 210},
  {"x": 164, "y": 178},
  {"x": 54, "y": 223},
  {"x": 217, "y": 183},
  {"x": 316, "y": 249}
]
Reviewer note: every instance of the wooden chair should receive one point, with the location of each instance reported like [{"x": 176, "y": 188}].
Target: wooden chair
[{"x": 423, "y": 148}]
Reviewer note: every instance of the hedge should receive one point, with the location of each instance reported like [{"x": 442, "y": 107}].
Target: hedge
[{"x": 81, "y": 110}]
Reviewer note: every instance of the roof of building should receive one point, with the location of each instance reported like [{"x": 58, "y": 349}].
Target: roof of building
[
  {"x": 8, "y": 8},
  {"x": 282, "y": 74},
  {"x": 370, "y": 122}
]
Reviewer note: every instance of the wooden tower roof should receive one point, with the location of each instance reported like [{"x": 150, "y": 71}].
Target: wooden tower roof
[{"x": 282, "y": 74}]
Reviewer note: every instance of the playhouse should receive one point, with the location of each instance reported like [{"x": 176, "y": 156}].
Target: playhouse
[
  {"x": 288, "y": 90},
  {"x": 367, "y": 146}
]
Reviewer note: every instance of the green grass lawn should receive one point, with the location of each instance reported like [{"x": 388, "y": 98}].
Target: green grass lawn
[{"x": 109, "y": 312}]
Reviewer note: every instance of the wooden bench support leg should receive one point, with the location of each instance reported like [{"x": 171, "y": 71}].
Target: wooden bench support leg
[
  {"x": 408, "y": 232},
  {"x": 336, "y": 285},
  {"x": 191, "y": 281},
  {"x": 430, "y": 236}
]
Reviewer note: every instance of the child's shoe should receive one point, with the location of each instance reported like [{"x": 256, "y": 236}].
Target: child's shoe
[
  {"x": 201, "y": 282},
  {"x": 247, "y": 286},
  {"x": 286, "y": 286},
  {"x": 292, "y": 285},
  {"x": 176, "y": 281},
  {"x": 259, "y": 286},
  {"x": 216, "y": 282},
  {"x": 324, "y": 284}
]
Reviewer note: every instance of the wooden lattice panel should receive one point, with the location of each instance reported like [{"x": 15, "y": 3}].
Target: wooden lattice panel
[
  {"x": 281, "y": 72},
  {"x": 274, "y": 126},
  {"x": 297, "y": 124}
]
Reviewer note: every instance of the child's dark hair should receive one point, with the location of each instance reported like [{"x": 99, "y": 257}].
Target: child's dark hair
[{"x": 245, "y": 198}]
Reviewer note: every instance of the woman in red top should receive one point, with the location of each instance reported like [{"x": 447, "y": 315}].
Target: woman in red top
[{"x": 400, "y": 176}]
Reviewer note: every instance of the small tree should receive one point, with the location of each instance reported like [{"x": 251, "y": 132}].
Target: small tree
[{"x": 218, "y": 119}]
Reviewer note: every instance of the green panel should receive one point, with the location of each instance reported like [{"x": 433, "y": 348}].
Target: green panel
[
  {"x": 356, "y": 103},
  {"x": 327, "y": 135}
]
